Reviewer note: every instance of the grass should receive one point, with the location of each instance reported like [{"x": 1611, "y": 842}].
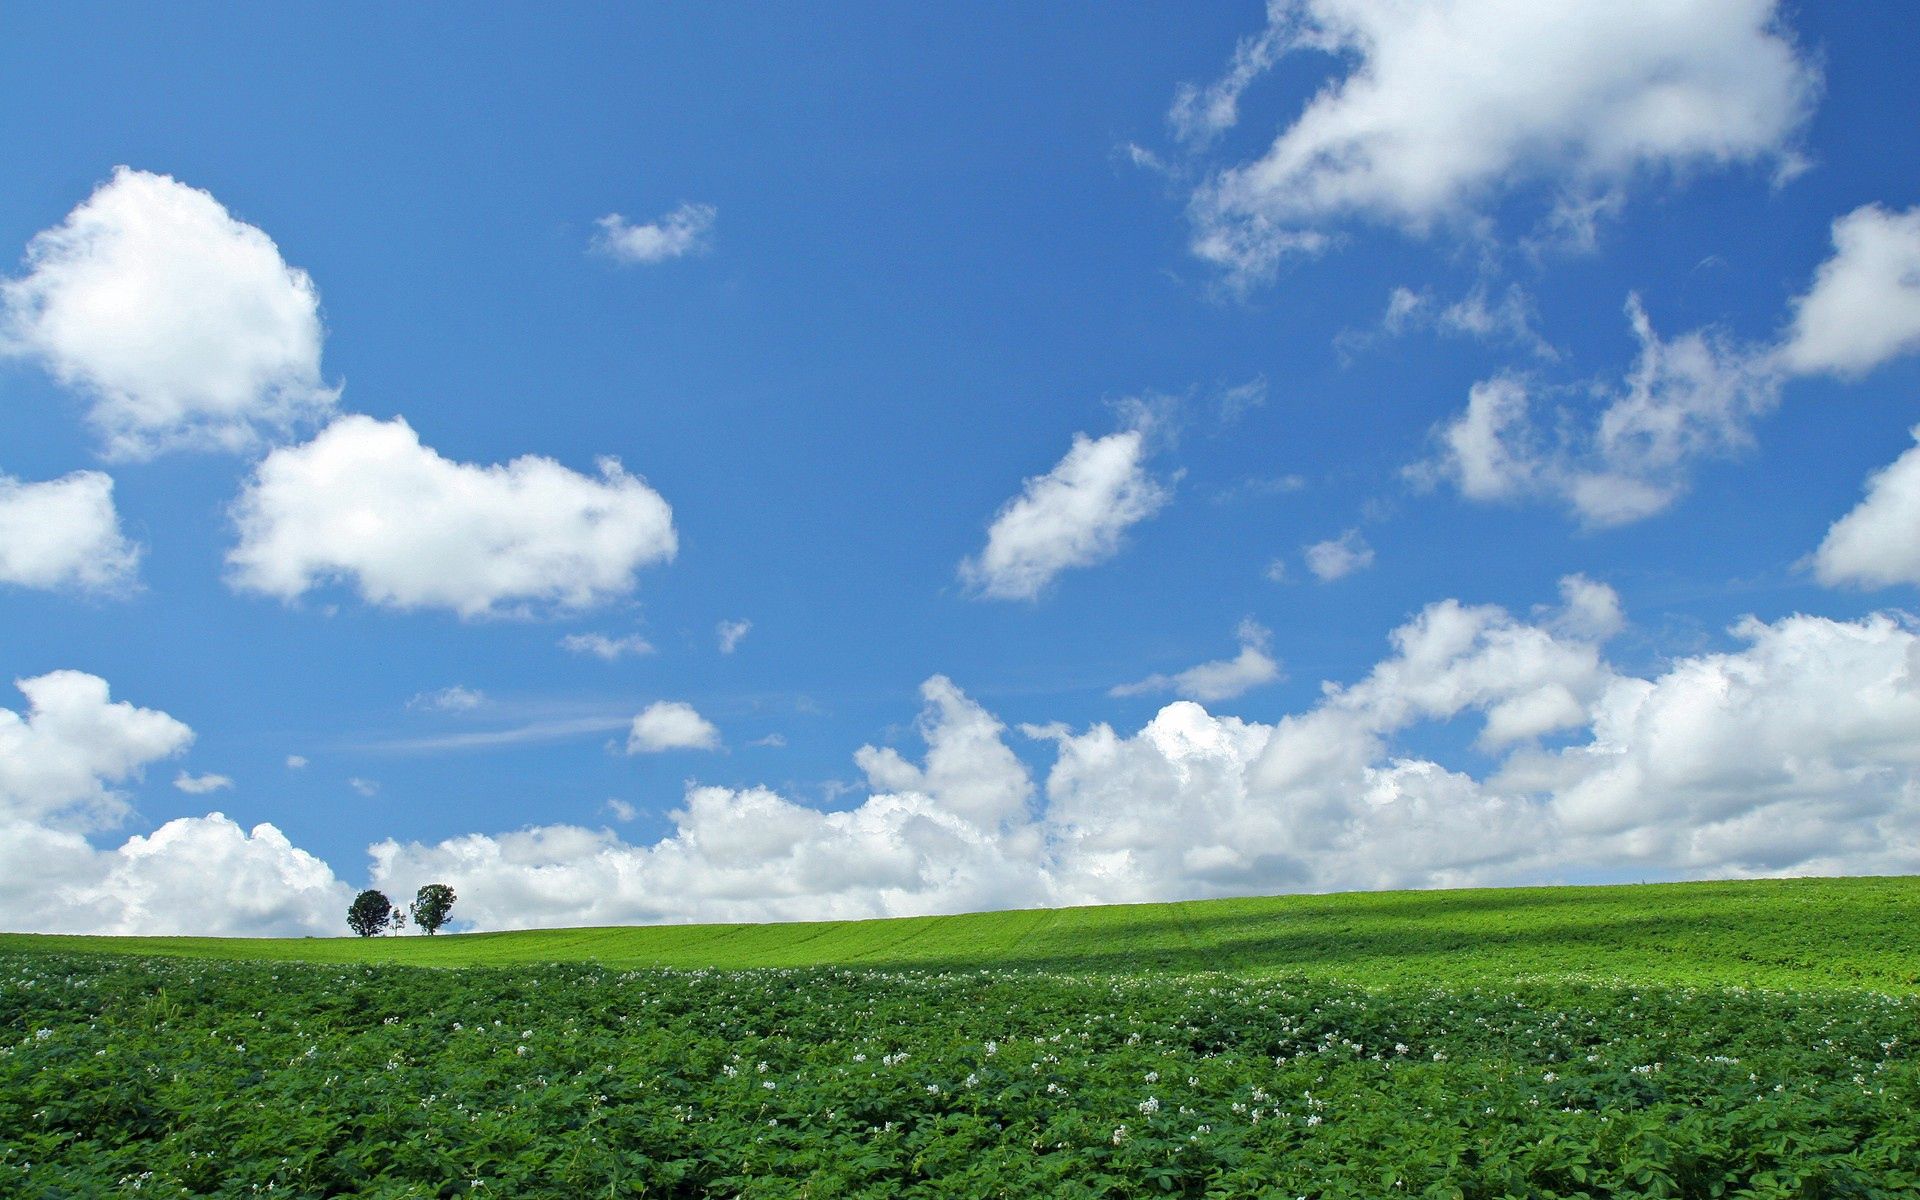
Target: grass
[{"x": 1849, "y": 934}]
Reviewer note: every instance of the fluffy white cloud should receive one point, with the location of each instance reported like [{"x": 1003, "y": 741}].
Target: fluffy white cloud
[
  {"x": 1220, "y": 680},
  {"x": 200, "y": 785},
  {"x": 202, "y": 876},
  {"x": 686, "y": 230},
  {"x": 182, "y": 325},
  {"x": 1791, "y": 754},
  {"x": 59, "y": 765},
  {"x": 731, "y": 633},
  {"x": 1878, "y": 543},
  {"x": 955, "y": 838},
  {"x": 671, "y": 725},
  {"x": 1448, "y": 105},
  {"x": 296, "y": 761},
  {"x": 1073, "y": 516},
  {"x": 1864, "y": 305},
  {"x": 609, "y": 648},
  {"x": 365, "y": 502},
  {"x": 64, "y": 533},
  {"x": 1685, "y": 399},
  {"x": 1337, "y": 558},
  {"x": 58, "y": 761}
]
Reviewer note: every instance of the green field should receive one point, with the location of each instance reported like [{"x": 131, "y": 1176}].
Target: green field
[
  {"x": 1805, "y": 933},
  {"x": 1732, "y": 1041}
]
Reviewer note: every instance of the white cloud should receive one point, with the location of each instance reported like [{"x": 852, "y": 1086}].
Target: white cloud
[
  {"x": 730, "y": 634},
  {"x": 609, "y": 648},
  {"x": 1220, "y": 680},
  {"x": 671, "y": 725},
  {"x": 1073, "y": 516},
  {"x": 182, "y": 325},
  {"x": 64, "y": 533},
  {"x": 60, "y": 765},
  {"x": 1792, "y": 754},
  {"x": 57, "y": 761},
  {"x": 620, "y": 810},
  {"x": 1878, "y": 543},
  {"x": 449, "y": 699},
  {"x": 200, "y": 785},
  {"x": 1478, "y": 314},
  {"x": 296, "y": 761},
  {"x": 366, "y": 787},
  {"x": 968, "y": 767},
  {"x": 1864, "y": 305},
  {"x": 774, "y": 741},
  {"x": 686, "y": 230},
  {"x": 1337, "y": 558},
  {"x": 1685, "y": 399},
  {"x": 1448, "y": 107},
  {"x": 954, "y": 839},
  {"x": 366, "y": 502},
  {"x": 1201, "y": 114},
  {"x": 203, "y": 876}
]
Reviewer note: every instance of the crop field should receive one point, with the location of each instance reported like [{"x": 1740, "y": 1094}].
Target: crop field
[
  {"x": 1709, "y": 1049},
  {"x": 1773, "y": 933}
]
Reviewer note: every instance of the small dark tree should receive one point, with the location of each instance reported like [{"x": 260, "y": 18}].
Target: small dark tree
[
  {"x": 370, "y": 913},
  {"x": 431, "y": 906}
]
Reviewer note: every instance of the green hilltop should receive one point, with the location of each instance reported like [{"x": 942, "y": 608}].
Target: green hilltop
[{"x": 1861, "y": 933}]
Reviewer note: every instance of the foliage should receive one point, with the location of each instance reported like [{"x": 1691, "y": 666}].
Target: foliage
[
  {"x": 431, "y": 904},
  {"x": 122, "y": 1075},
  {"x": 371, "y": 913}
]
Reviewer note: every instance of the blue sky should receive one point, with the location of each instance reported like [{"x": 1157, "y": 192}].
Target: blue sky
[{"x": 996, "y": 367}]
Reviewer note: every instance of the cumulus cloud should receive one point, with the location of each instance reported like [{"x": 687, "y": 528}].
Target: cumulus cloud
[
  {"x": 1790, "y": 754},
  {"x": 954, "y": 837},
  {"x": 686, "y": 230},
  {"x": 200, "y": 785},
  {"x": 1337, "y": 558},
  {"x": 365, "y": 503},
  {"x": 1878, "y": 543},
  {"x": 182, "y": 325},
  {"x": 61, "y": 766},
  {"x": 1690, "y": 398},
  {"x": 1073, "y": 516},
  {"x": 731, "y": 633},
  {"x": 202, "y": 876},
  {"x": 59, "y": 760},
  {"x": 1445, "y": 109},
  {"x": 65, "y": 533},
  {"x": 671, "y": 725},
  {"x": 1864, "y": 305},
  {"x": 1223, "y": 679},
  {"x": 296, "y": 761}
]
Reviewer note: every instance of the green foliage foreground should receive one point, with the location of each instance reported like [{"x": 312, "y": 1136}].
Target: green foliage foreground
[
  {"x": 1709, "y": 1040},
  {"x": 168, "y": 1077}
]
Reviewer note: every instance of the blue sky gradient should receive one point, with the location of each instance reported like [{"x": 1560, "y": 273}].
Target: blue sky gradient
[{"x": 935, "y": 258}]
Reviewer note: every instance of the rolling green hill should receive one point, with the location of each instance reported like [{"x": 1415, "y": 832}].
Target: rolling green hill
[{"x": 1807, "y": 933}]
